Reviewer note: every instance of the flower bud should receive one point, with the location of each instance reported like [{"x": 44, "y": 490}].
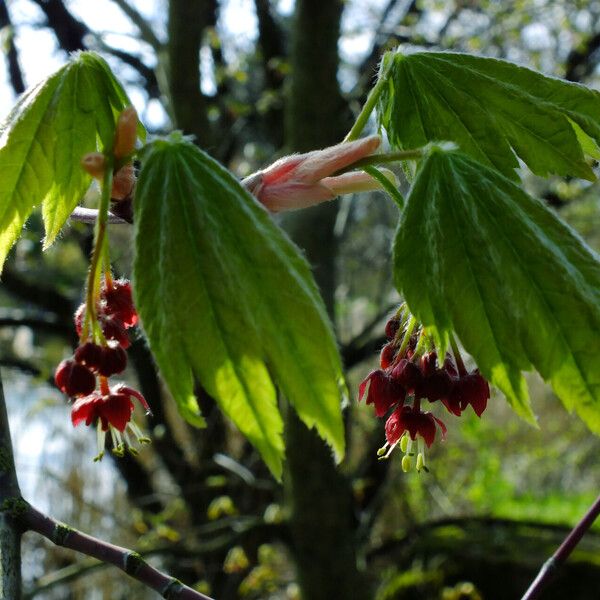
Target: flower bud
[
  {"x": 113, "y": 329},
  {"x": 78, "y": 318},
  {"x": 119, "y": 302},
  {"x": 113, "y": 361},
  {"x": 126, "y": 133},
  {"x": 94, "y": 163},
  {"x": 74, "y": 379},
  {"x": 391, "y": 327},
  {"x": 388, "y": 352},
  {"x": 90, "y": 355}
]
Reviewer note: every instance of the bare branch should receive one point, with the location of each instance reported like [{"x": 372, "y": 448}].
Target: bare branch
[
  {"x": 89, "y": 215},
  {"x": 72, "y": 33},
  {"x": 146, "y": 32},
  {"x": 128, "y": 561},
  {"x": 12, "y": 58}
]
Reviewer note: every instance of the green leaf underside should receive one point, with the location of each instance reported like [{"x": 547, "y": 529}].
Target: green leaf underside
[
  {"x": 477, "y": 255},
  {"x": 492, "y": 109},
  {"x": 44, "y": 138},
  {"x": 225, "y": 296}
]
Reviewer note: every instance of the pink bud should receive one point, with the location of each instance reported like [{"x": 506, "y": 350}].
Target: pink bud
[{"x": 302, "y": 180}]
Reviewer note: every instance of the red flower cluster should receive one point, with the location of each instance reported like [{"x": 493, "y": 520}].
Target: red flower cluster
[
  {"x": 98, "y": 357},
  {"x": 410, "y": 373},
  {"x": 115, "y": 311}
]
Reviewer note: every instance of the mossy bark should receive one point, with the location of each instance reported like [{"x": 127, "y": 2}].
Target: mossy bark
[
  {"x": 10, "y": 499},
  {"x": 320, "y": 498}
]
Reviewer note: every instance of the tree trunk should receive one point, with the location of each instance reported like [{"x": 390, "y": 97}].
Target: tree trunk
[
  {"x": 322, "y": 520},
  {"x": 10, "y": 502}
]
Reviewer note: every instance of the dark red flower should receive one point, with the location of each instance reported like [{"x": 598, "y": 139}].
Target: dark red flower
[
  {"x": 78, "y": 318},
  {"x": 382, "y": 391},
  {"x": 112, "y": 409},
  {"x": 119, "y": 302},
  {"x": 111, "y": 412},
  {"x": 415, "y": 422},
  {"x": 407, "y": 374},
  {"x": 113, "y": 360},
  {"x": 90, "y": 355},
  {"x": 74, "y": 379},
  {"x": 388, "y": 353},
  {"x": 391, "y": 327},
  {"x": 429, "y": 363},
  {"x": 472, "y": 389},
  {"x": 113, "y": 329},
  {"x": 436, "y": 386}
]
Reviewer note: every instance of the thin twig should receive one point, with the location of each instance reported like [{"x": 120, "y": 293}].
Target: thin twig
[
  {"x": 146, "y": 31},
  {"x": 128, "y": 561},
  {"x": 89, "y": 215},
  {"x": 560, "y": 556}
]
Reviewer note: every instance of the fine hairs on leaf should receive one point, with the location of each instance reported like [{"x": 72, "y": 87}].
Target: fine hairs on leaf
[
  {"x": 492, "y": 109},
  {"x": 224, "y": 296},
  {"x": 475, "y": 254}
]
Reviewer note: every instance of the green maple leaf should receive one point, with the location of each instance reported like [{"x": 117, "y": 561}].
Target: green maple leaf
[
  {"x": 225, "y": 297},
  {"x": 476, "y": 255},
  {"x": 493, "y": 109},
  {"x": 42, "y": 141}
]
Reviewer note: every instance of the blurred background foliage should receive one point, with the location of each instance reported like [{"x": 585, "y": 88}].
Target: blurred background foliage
[{"x": 500, "y": 495}]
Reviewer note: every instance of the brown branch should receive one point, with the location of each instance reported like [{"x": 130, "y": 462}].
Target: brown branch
[
  {"x": 128, "y": 561},
  {"x": 42, "y": 324},
  {"x": 46, "y": 297},
  {"x": 146, "y": 32},
  {"x": 550, "y": 567},
  {"x": 187, "y": 104},
  {"x": 10, "y": 496},
  {"x": 582, "y": 61},
  {"x": 71, "y": 35},
  {"x": 12, "y": 58},
  {"x": 89, "y": 215}
]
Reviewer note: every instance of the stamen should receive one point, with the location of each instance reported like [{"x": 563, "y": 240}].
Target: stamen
[
  {"x": 404, "y": 441},
  {"x": 421, "y": 466},
  {"x": 389, "y": 451},
  {"x": 406, "y": 463},
  {"x": 141, "y": 438},
  {"x": 101, "y": 440},
  {"x": 381, "y": 451},
  {"x": 117, "y": 440}
]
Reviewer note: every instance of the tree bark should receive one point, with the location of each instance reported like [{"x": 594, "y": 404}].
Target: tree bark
[
  {"x": 322, "y": 521},
  {"x": 10, "y": 503},
  {"x": 187, "y": 104}
]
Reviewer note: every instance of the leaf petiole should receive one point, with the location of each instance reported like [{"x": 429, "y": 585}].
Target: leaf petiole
[
  {"x": 367, "y": 109},
  {"x": 99, "y": 254},
  {"x": 387, "y": 185}
]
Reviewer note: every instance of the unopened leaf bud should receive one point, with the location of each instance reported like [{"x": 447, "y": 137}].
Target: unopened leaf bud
[
  {"x": 94, "y": 163},
  {"x": 126, "y": 133}
]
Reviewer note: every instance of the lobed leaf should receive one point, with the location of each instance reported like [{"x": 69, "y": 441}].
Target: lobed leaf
[
  {"x": 225, "y": 297},
  {"x": 475, "y": 254},
  {"x": 493, "y": 110},
  {"x": 44, "y": 138}
]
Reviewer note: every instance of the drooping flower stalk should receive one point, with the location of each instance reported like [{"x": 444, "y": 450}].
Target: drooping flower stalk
[{"x": 108, "y": 311}]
